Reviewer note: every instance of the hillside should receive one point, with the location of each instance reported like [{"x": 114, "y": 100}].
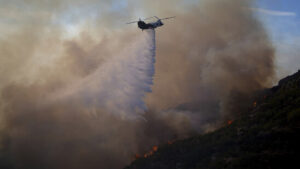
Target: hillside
[{"x": 264, "y": 137}]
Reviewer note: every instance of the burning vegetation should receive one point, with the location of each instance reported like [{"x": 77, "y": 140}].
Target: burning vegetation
[
  {"x": 264, "y": 137},
  {"x": 147, "y": 154},
  {"x": 254, "y": 104},
  {"x": 229, "y": 122}
]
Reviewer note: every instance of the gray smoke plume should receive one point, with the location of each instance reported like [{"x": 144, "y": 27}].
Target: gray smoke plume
[
  {"x": 221, "y": 55},
  {"x": 89, "y": 124},
  {"x": 120, "y": 84},
  {"x": 78, "y": 102}
]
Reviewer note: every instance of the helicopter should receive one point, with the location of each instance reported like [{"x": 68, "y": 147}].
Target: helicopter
[{"x": 152, "y": 25}]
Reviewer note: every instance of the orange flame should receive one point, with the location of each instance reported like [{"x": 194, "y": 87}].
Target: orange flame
[
  {"x": 154, "y": 148},
  {"x": 137, "y": 156},
  {"x": 151, "y": 152},
  {"x": 254, "y": 104},
  {"x": 229, "y": 122}
]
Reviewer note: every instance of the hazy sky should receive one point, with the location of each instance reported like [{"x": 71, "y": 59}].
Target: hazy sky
[
  {"x": 282, "y": 20},
  {"x": 280, "y": 17}
]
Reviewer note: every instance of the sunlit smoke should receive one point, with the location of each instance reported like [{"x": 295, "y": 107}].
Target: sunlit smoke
[{"x": 120, "y": 84}]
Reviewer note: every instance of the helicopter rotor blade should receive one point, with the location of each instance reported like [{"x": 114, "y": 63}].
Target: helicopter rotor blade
[
  {"x": 168, "y": 18},
  {"x": 156, "y": 17},
  {"x": 131, "y": 22},
  {"x": 148, "y": 18}
]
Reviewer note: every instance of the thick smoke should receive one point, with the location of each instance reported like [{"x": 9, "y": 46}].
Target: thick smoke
[
  {"x": 78, "y": 102},
  {"x": 221, "y": 55},
  {"x": 120, "y": 84}
]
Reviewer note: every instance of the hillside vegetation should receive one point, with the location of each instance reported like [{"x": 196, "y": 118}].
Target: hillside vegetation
[{"x": 266, "y": 137}]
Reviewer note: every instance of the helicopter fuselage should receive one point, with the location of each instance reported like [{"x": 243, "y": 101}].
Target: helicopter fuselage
[{"x": 142, "y": 25}]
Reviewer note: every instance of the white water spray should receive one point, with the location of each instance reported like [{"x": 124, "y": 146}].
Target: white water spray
[{"x": 120, "y": 84}]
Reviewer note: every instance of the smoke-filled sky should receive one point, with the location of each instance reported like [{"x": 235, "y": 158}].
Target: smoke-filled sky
[
  {"x": 70, "y": 17},
  {"x": 81, "y": 89}
]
